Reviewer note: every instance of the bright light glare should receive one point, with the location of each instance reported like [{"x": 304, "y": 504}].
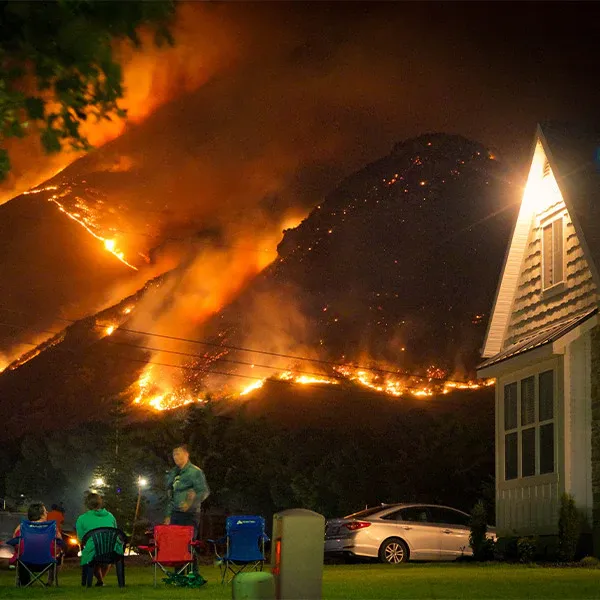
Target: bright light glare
[
  {"x": 142, "y": 482},
  {"x": 98, "y": 482}
]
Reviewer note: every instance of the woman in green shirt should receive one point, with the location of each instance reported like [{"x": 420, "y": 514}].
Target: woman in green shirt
[{"x": 95, "y": 517}]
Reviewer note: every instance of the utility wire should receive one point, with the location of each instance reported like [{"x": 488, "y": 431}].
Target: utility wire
[
  {"x": 329, "y": 363},
  {"x": 334, "y": 388}
]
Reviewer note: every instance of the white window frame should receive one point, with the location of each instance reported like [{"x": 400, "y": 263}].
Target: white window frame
[
  {"x": 548, "y": 221},
  {"x": 536, "y": 424}
]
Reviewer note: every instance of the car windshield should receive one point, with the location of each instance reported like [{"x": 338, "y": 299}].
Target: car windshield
[{"x": 367, "y": 512}]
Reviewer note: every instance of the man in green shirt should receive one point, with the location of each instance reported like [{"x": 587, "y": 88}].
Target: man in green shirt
[{"x": 186, "y": 489}]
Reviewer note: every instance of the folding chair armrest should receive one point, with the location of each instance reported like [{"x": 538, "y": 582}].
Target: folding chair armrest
[
  {"x": 220, "y": 540},
  {"x": 148, "y": 548},
  {"x": 264, "y": 537},
  {"x": 13, "y": 541}
]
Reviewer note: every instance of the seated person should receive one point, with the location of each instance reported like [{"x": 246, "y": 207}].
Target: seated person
[
  {"x": 36, "y": 513},
  {"x": 95, "y": 517}
]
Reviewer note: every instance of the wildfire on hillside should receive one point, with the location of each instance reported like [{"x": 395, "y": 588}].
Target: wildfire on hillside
[
  {"x": 13, "y": 363},
  {"x": 83, "y": 214},
  {"x": 150, "y": 393}
]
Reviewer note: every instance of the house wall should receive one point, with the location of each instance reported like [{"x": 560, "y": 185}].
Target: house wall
[
  {"x": 578, "y": 419},
  {"x": 534, "y": 309},
  {"x": 530, "y": 505},
  {"x": 595, "y": 437}
]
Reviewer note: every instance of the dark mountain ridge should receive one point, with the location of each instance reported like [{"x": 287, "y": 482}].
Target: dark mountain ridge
[{"x": 397, "y": 265}]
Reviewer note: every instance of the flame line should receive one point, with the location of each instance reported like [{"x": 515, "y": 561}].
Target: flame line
[
  {"x": 208, "y": 371},
  {"x": 200, "y": 242},
  {"x": 229, "y": 374},
  {"x": 103, "y": 240},
  {"x": 241, "y": 349}
]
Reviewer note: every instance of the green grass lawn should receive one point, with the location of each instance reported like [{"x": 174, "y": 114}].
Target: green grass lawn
[{"x": 357, "y": 581}]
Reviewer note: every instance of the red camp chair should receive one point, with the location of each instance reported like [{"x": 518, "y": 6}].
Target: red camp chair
[{"x": 173, "y": 546}]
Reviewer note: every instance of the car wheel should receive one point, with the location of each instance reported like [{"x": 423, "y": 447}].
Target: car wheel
[{"x": 393, "y": 551}]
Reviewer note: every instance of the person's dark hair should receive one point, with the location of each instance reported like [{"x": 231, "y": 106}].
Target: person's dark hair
[
  {"x": 54, "y": 507},
  {"x": 183, "y": 447},
  {"x": 35, "y": 511},
  {"x": 93, "y": 501}
]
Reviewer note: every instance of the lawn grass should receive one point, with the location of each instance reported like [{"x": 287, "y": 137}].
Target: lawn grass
[{"x": 347, "y": 582}]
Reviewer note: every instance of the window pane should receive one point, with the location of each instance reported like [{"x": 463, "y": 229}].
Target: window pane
[
  {"x": 547, "y": 448},
  {"x": 415, "y": 514},
  {"x": 448, "y": 516},
  {"x": 527, "y": 401},
  {"x": 510, "y": 406},
  {"x": 557, "y": 251},
  {"x": 363, "y": 514},
  {"x": 546, "y": 395},
  {"x": 528, "y": 452},
  {"x": 547, "y": 255},
  {"x": 510, "y": 456},
  {"x": 394, "y": 516}
]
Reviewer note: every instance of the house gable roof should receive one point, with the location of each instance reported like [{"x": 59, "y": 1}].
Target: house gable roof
[
  {"x": 574, "y": 157},
  {"x": 547, "y": 335}
]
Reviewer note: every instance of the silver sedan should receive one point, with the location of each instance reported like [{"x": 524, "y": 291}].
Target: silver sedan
[{"x": 395, "y": 533}]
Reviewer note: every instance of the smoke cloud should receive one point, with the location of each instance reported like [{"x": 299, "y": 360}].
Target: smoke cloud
[
  {"x": 256, "y": 113},
  {"x": 205, "y": 45}
]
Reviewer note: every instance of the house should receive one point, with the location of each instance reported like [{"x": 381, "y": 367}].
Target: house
[{"x": 543, "y": 341}]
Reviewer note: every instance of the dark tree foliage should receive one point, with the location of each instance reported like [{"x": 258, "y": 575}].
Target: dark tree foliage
[
  {"x": 57, "y": 67},
  {"x": 257, "y": 466}
]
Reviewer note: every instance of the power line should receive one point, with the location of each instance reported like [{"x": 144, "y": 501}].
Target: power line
[
  {"x": 329, "y": 363},
  {"x": 339, "y": 378}
]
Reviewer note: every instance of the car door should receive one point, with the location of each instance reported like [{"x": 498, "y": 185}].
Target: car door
[
  {"x": 453, "y": 528},
  {"x": 413, "y": 525}
]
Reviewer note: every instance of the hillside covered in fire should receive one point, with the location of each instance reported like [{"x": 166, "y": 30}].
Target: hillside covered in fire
[{"x": 381, "y": 289}]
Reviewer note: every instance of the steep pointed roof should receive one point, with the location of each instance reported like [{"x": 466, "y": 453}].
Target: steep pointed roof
[
  {"x": 573, "y": 152},
  {"x": 574, "y": 155}
]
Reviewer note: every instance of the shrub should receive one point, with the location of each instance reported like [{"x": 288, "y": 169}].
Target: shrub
[
  {"x": 589, "y": 561},
  {"x": 569, "y": 528},
  {"x": 488, "y": 550},
  {"x": 526, "y": 548},
  {"x": 483, "y": 548}
]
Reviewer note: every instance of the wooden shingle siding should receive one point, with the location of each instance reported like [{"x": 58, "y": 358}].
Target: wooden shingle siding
[{"x": 532, "y": 310}]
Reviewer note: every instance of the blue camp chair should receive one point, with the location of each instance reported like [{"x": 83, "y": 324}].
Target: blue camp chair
[
  {"x": 36, "y": 552},
  {"x": 245, "y": 539}
]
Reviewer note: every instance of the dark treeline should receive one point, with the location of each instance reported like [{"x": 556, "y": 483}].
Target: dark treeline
[{"x": 255, "y": 465}]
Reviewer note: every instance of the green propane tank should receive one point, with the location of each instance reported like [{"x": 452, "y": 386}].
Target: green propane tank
[
  {"x": 297, "y": 554},
  {"x": 253, "y": 586}
]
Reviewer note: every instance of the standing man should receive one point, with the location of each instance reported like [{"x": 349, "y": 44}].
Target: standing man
[{"x": 186, "y": 489}]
